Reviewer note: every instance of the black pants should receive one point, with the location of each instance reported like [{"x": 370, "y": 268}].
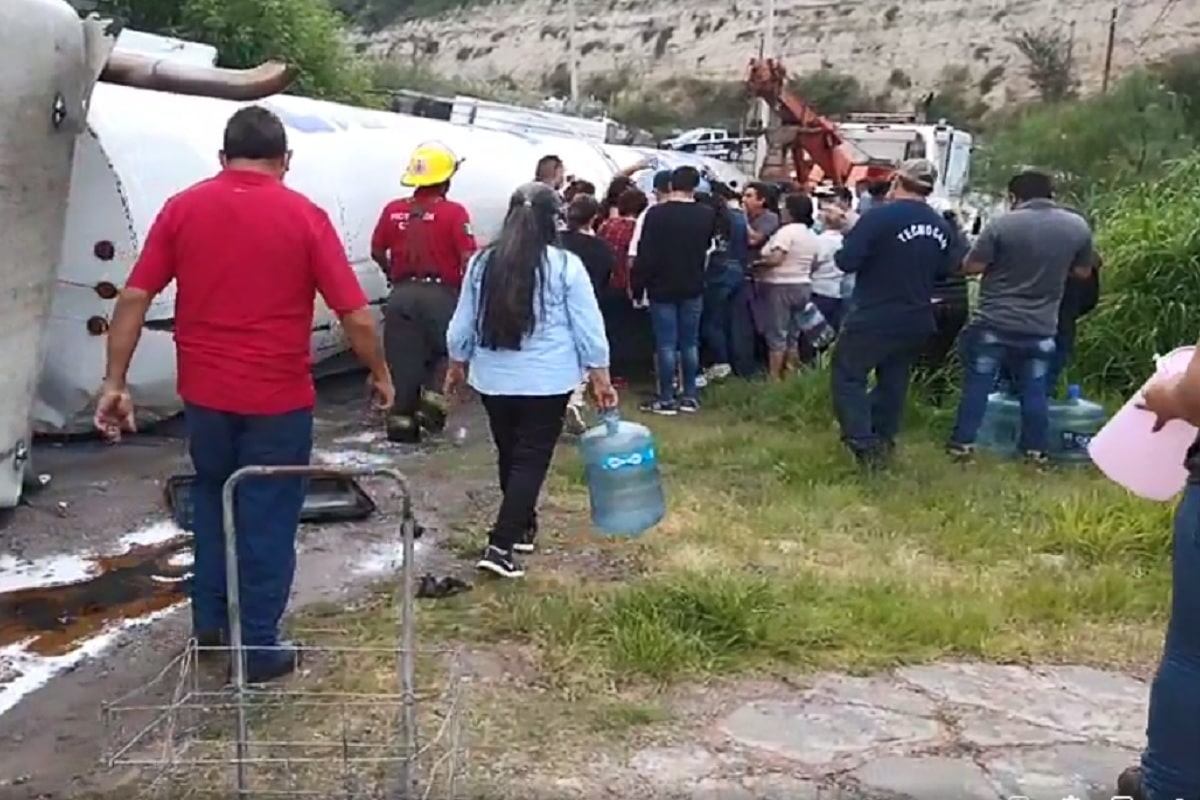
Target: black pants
[
  {"x": 525, "y": 430},
  {"x": 950, "y": 317},
  {"x": 871, "y": 420},
  {"x": 414, "y": 339}
]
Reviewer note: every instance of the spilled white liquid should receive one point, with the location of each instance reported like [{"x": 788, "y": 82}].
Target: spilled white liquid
[{"x": 23, "y": 672}]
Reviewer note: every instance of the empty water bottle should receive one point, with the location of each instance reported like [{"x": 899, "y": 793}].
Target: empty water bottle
[
  {"x": 1001, "y": 427},
  {"x": 1073, "y": 423},
  {"x": 814, "y": 327},
  {"x": 620, "y": 461}
]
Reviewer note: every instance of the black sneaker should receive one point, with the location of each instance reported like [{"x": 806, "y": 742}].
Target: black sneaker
[
  {"x": 403, "y": 430},
  {"x": 1129, "y": 784},
  {"x": 432, "y": 412},
  {"x": 1037, "y": 458},
  {"x": 874, "y": 459},
  {"x": 689, "y": 405},
  {"x": 498, "y": 562},
  {"x": 269, "y": 663},
  {"x": 208, "y": 643},
  {"x": 528, "y": 541},
  {"x": 660, "y": 407},
  {"x": 960, "y": 452}
]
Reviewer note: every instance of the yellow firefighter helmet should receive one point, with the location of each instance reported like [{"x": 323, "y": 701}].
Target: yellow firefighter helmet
[{"x": 430, "y": 164}]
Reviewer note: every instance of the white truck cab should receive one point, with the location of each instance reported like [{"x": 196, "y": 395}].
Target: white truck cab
[{"x": 943, "y": 144}]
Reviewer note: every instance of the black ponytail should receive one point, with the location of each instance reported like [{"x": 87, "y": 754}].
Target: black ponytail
[{"x": 514, "y": 267}]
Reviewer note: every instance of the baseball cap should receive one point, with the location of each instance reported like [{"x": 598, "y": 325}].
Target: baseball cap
[{"x": 920, "y": 172}]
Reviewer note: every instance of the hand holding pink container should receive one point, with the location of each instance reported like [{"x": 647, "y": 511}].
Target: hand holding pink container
[{"x": 1129, "y": 452}]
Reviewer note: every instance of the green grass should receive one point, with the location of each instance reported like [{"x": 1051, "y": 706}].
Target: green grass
[
  {"x": 777, "y": 559},
  {"x": 778, "y": 555}
]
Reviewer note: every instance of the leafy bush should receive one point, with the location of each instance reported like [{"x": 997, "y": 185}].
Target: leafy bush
[
  {"x": 305, "y": 33},
  {"x": 1150, "y": 241},
  {"x": 1095, "y": 146}
]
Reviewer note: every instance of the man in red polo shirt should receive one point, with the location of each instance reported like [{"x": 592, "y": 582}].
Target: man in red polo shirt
[
  {"x": 422, "y": 242},
  {"x": 248, "y": 257}
]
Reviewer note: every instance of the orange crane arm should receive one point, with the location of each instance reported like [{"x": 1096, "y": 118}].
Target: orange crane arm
[{"x": 817, "y": 136}]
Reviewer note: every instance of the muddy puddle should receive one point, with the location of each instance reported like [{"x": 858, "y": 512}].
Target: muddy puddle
[{"x": 53, "y": 620}]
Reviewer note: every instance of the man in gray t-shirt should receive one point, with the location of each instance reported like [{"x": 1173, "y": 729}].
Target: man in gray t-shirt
[
  {"x": 1024, "y": 258},
  {"x": 763, "y": 221}
]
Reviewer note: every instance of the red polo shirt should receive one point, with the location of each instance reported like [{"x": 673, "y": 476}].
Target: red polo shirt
[
  {"x": 446, "y": 238},
  {"x": 248, "y": 256}
]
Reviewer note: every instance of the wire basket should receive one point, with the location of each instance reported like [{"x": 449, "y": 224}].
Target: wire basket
[
  {"x": 179, "y": 733},
  {"x": 199, "y": 730}
]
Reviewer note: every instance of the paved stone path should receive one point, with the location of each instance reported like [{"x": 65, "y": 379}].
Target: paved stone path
[{"x": 954, "y": 731}]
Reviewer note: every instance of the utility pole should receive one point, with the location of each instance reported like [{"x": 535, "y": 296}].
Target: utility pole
[
  {"x": 572, "y": 56},
  {"x": 1108, "y": 50},
  {"x": 769, "y": 36},
  {"x": 767, "y": 50},
  {"x": 1071, "y": 47}
]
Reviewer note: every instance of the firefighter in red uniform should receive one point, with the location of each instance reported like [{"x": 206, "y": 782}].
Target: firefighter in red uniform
[{"x": 422, "y": 242}]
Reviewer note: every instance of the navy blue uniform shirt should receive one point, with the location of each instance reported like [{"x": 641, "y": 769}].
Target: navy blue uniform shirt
[{"x": 897, "y": 251}]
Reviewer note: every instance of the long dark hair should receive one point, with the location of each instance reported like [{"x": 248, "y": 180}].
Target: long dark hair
[
  {"x": 514, "y": 268},
  {"x": 618, "y": 187}
]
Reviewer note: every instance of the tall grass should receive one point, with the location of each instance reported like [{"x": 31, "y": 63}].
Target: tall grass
[{"x": 1149, "y": 236}]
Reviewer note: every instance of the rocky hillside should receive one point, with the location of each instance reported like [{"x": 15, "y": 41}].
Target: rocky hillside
[{"x": 876, "y": 40}]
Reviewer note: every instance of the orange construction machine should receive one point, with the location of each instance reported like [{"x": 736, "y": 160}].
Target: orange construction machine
[{"x": 804, "y": 137}]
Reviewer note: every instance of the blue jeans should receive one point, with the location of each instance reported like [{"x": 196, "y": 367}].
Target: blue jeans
[
  {"x": 871, "y": 420},
  {"x": 1027, "y": 359},
  {"x": 677, "y": 342},
  {"x": 717, "y": 322},
  {"x": 1064, "y": 348},
  {"x": 1171, "y": 761},
  {"x": 743, "y": 337},
  {"x": 267, "y": 512}
]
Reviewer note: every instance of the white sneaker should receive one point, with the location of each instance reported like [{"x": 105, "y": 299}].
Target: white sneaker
[
  {"x": 573, "y": 421},
  {"x": 701, "y": 381},
  {"x": 718, "y": 372}
]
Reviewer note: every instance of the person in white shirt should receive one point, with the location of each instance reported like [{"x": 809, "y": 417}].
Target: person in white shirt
[
  {"x": 829, "y": 284},
  {"x": 785, "y": 276}
]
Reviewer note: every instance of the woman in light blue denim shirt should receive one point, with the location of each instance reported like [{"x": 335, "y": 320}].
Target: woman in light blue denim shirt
[{"x": 529, "y": 327}]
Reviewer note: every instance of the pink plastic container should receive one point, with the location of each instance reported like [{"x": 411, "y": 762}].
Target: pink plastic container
[{"x": 1127, "y": 450}]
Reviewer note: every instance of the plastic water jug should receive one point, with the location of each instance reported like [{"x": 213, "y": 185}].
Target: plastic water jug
[
  {"x": 1073, "y": 423},
  {"x": 1128, "y": 451},
  {"x": 620, "y": 461},
  {"x": 1001, "y": 427},
  {"x": 814, "y": 327}
]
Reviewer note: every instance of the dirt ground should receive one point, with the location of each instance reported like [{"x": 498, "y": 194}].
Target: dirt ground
[{"x": 52, "y": 741}]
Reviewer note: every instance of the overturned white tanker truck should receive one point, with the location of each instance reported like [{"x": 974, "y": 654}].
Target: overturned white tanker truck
[{"x": 152, "y": 127}]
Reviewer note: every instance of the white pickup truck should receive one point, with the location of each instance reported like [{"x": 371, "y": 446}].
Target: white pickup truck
[{"x": 713, "y": 142}]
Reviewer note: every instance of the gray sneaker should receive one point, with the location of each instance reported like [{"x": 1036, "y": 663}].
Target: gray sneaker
[{"x": 689, "y": 405}]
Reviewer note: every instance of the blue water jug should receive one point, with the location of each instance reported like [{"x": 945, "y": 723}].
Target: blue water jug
[
  {"x": 620, "y": 462},
  {"x": 1001, "y": 427},
  {"x": 1073, "y": 423}
]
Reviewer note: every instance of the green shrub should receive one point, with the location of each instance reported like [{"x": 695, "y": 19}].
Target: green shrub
[
  {"x": 1096, "y": 145},
  {"x": 1150, "y": 240}
]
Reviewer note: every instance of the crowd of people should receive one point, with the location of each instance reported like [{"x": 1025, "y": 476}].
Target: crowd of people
[{"x": 746, "y": 282}]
